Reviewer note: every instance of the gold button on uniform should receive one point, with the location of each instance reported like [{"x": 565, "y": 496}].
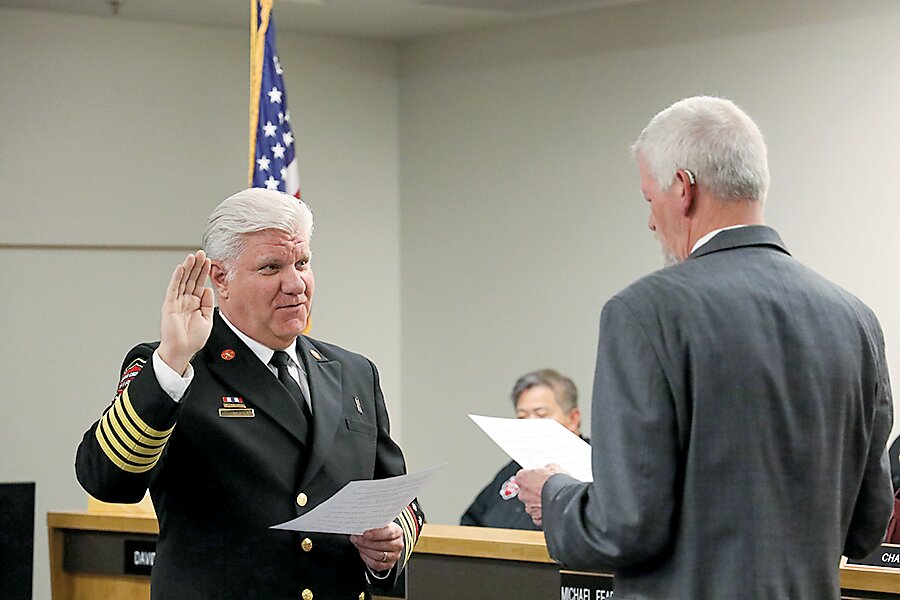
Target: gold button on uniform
[
  {"x": 307, "y": 595},
  {"x": 306, "y": 544},
  {"x": 362, "y": 596},
  {"x": 302, "y": 500}
]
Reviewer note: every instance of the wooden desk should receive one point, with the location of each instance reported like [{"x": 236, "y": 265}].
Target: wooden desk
[
  {"x": 452, "y": 562},
  {"x": 449, "y": 562},
  {"x": 68, "y": 582}
]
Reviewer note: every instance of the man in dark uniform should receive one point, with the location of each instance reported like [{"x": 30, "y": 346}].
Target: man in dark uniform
[
  {"x": 543, "y": 394},
  {"x": 237, "y": 422}
]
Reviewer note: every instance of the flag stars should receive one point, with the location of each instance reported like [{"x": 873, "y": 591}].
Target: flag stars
[
  {"x": 263, "y": 163},
  {"x": 283, "y": 173},
  {"x": 270, "y": 129},
  {"x": 288, "y": 138},
  {"x": 287, "y": 116},
  {"x": 281, "y": 118},
  {"x": 271, "y": 183},
  {"x": 274, "y": 95},
  {"x": 278, "y": 151},
  {"x": 277, "y": 64}
]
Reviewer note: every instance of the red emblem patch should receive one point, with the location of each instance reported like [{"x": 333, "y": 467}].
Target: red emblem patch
[
  {"x": 510, "y": 489},
  {"x": 130, "y": 373},
  {"x": 228, "y": 354}
]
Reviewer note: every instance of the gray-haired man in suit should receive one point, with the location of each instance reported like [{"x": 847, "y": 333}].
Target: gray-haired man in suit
[{"x": 741, "y": 402}]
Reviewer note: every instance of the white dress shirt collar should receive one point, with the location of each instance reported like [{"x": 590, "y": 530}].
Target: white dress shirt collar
[
  {"x": 263, "y": 352},
  {"x": 713, "y": 234}
]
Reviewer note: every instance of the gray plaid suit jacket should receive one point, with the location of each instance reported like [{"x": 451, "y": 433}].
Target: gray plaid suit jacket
[{"x": 741, "y": 410}]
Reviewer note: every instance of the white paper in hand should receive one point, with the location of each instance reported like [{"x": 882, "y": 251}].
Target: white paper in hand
[
  {"x": 362, "y": 505},
  {"x": 535, "y": 443}
]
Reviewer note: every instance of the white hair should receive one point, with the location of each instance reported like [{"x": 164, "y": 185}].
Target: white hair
[
  {"x": 713, "y": 139},
  {"x": 249, "y": 211}
]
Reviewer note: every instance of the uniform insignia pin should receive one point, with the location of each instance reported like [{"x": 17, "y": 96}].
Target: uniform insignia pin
[
  {"x": 358, "y": 405},
  {"x": 315, "y": 354},
  {"x": 228, "y": 354},
  {"x": 509, "y": 489}
]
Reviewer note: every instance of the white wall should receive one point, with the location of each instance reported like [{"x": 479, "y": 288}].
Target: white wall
[
  {"x": 521, "y": 211},
  {"x": 124, "y": 133}
]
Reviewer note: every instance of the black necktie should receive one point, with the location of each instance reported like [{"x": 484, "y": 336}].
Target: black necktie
[{"x": 280, "y": 360}]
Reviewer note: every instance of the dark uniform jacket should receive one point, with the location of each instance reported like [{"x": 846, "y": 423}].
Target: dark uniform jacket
[
  {"x": 227, "y": 462},
  {"x": 497, "y": 505},
  {"x": 741, "y": 411}
]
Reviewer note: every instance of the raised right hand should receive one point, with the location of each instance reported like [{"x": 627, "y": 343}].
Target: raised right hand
[{"x": 186, "y": 312}]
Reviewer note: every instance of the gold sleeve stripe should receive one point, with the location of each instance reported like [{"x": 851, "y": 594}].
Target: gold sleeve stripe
[
  {"x": 117, "y": 441},
  {"x": 148, "y": 446},
  {"x": 127, "y": 440},
  {"x": 110, "y": 453},
  {"x": 408, "y": 524},
  {"x": 145, "y": 429},
  {"x": 413, "y": 519},
  {"x": 407, "y": 544},
  {"x": 111, "y": 442},
  {"x": 149, "y": 442},
  {"x": 415, "y": 537}
]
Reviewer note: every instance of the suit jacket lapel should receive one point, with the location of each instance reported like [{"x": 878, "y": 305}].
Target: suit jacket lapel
[
  {"x": 326, "y": 393},
  {"x": 236, "y": 365}
]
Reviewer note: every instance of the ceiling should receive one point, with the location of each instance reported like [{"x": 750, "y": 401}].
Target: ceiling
[{"x": 376, "y": 19}]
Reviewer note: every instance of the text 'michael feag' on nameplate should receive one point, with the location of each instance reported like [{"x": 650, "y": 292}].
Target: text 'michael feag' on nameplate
[
  {"x": 362, "y": 505},
  {"x": 536, "y": 443}
]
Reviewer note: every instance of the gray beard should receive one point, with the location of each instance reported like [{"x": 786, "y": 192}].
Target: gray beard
[{"x": 669, "y": 257}]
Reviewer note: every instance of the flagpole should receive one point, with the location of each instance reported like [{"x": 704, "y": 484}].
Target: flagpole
[{"x": 257, "y": 49}]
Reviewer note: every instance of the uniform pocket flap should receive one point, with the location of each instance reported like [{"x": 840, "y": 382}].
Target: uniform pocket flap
[{"x": 361, "y": 427}]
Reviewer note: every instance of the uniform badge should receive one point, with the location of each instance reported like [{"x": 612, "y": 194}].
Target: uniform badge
[
  {"x": 358, "y": 405},
  {"x": 227, "y": 354},
  {"x": 315, "y": 354},
  {"x": 130, "y": 373},
  {"x": 509, "y": 489},
  {"x": 234, "y": 407}
]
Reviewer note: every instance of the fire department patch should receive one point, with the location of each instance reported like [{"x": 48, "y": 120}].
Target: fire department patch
[
  {"x": 509, "y": 489},
  {"x": 130, "y": 373}
]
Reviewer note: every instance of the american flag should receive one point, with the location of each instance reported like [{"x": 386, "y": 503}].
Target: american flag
[{"x": 273, "y": 152}]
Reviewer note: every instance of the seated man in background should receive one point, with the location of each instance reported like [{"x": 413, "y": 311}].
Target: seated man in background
[{"x": 543, "y": 394}]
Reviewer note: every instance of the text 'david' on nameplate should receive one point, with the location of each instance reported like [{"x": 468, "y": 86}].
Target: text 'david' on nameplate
[{"x": 139, "y": 556}]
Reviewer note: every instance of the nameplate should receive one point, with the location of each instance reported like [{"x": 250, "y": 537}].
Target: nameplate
[
  {"x": 585, "y": 586},
  {"x": 139, "y": 556},
  {"x": 237, "y": 412},
  {"x": 886, "y": 558}
]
